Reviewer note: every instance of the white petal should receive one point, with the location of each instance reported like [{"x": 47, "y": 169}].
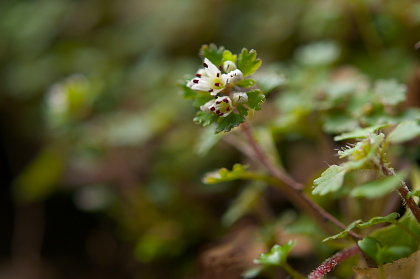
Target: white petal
[{"x": 211, "y": 69}]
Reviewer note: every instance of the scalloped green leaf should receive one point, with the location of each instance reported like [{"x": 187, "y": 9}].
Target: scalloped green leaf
[
  {"x": 378, "y": 188},
  {"x": 242, "y": 110},
  {"x": 229, "y": 122},
  {"x": 330, "y": 181},
  {"x": 360, "y": 133},
  {"x": 204, "y": 118},
  {"x": 255, "y": 99},
  {"x": 405, "y": 131},
  {"x": 277, "y": 255},
  {"x": 228, "y": 56},
  {"x": 248, "y": 62},
  {"x": 224, "y": 175},
  {"x": 213, "y": 53},
  {"x": 391, "y": 92}
]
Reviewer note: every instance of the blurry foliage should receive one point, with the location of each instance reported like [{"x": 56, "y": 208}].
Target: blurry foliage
[{"x": 89, "y": 106}]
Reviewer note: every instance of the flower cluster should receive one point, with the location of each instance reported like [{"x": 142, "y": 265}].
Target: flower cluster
[
  {"x": 222, "y": 89},
  {"x": 212, "y": 79}
]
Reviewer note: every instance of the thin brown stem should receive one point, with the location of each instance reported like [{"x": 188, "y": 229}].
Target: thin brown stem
[
  {"x": 292, "y": 188},
  {"x": 404, "y": 193}
]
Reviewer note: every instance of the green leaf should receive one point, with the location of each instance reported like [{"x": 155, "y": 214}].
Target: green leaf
[
  {"x": 204, "y": 118},
  {"x": 378, "y": 188},
  {"x": 403, "y": 232},
  {"x": 41, "y": 177},
  {"x": 224, "y": 175},
  {"x": 370, "y": 246},
  {"x": 242, "y": 110},
  {"x": 277, "y": 256},
  {"x": 246, "y": 83},
  {"x": 415, "y": 193},
  {"x": 244, "y": 203},
  {"x": 229, "y": 122},
  {"x": 390, "y": 91},
  {"x": 377, "y": 220},
  {"x": 361, "y": 133},
  {"x": 248, "y": 62},
  {"x": 393, "y": 253},
  {"x": 330, "y": 181},
  {"x": 344, "y": 233},
  {"x": 212, "y": 53},
  {"x": 228, "y": 56},
  {"x": 405, "y": 131},
  {"x": 391, "y": 218},
  {"x": 188, "y": 93},
  {"x": 255, "y": 99}
]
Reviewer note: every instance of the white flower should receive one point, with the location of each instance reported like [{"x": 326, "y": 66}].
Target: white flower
[
  {"x": 212, "y": 80},
  {"x": 222, "y": 106},
  {"x": 240, "y": 98}
]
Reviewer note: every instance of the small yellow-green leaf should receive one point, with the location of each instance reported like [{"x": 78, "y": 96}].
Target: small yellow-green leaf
[
  {"x": 228, "y": 56},
  {"x": 224, "y": 175}
]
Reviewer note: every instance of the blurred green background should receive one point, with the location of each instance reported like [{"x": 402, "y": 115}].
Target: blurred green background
[{"x": 101, "y": 164}]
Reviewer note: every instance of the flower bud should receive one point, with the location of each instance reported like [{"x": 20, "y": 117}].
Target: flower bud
[
  {"x": 240, "y": 98},
  {"x": 235, "y": 76},
  {"x": 229, "y": 66}
]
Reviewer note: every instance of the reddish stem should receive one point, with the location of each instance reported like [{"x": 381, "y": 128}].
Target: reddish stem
[
  {"x": 332, "y": 262},
  {"x": 293, "y": 189}
]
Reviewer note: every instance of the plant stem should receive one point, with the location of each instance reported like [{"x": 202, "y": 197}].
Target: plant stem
[
  {"x": 404, "y": 193},
  {"x": 292, "y": 188},
  {"x": 330, "y": 263}
]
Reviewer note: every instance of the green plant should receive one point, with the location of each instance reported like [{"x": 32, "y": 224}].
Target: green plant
[{"x": 315, "y": 106}]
